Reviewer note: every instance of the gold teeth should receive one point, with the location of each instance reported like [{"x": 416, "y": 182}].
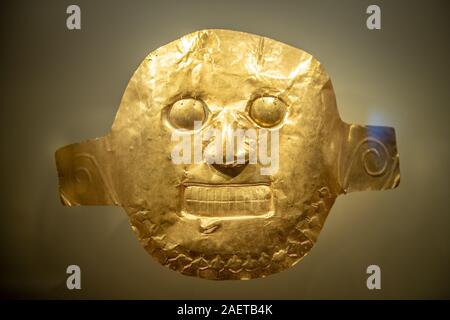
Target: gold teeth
[{"x": 228, "y": 201}]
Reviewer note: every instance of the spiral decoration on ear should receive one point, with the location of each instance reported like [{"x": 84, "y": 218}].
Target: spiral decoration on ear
[
  {"x": 82, "y": 179},
  {"x": 369, "y": 160}
]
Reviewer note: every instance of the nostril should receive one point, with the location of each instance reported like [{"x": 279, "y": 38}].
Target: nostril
[
  {"x": 227, "y": 152},
  {"x": 232, "y": 166},
  {"x": 235, "y": 157},
  {"x": 236, "y": 162},
  {"x": 231, "y": 170}
]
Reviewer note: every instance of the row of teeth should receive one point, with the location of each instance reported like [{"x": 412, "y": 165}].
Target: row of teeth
[{"x": 227, "y": 201}]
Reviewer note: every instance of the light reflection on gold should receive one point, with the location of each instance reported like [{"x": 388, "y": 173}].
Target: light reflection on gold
[{"x": 222, "y": 221}]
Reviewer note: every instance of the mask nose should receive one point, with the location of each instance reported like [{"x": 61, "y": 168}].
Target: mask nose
[{"x": 232, "y": 142}]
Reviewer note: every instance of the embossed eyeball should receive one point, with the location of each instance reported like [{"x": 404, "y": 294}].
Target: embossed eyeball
[
  {"x": 185, "y": 112},
  {"x": 267, "y": 111}
]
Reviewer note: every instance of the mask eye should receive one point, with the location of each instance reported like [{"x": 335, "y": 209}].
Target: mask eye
[
  {"x": 267, "y": 111},
  {"x": 185, "y": 112}
]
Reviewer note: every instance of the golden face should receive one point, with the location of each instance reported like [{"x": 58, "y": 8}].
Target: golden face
[{"x": 228, "y": 220}]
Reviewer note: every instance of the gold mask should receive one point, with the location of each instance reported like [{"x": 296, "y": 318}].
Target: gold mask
[{"x": 227, "y": 221}]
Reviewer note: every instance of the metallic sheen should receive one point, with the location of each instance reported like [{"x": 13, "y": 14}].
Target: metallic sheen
[{"x": 228, "y": 221}]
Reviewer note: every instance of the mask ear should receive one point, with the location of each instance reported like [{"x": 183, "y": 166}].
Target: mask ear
[
  {"x": 368, "y": 159},
  {"x": 83, "y": 175}
]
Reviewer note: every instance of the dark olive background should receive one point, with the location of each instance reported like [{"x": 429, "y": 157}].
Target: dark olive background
[{"x": 60, "y": 86}]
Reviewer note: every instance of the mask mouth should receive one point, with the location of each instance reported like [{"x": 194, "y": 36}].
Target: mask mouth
[{"x": 227, "y": 201}]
